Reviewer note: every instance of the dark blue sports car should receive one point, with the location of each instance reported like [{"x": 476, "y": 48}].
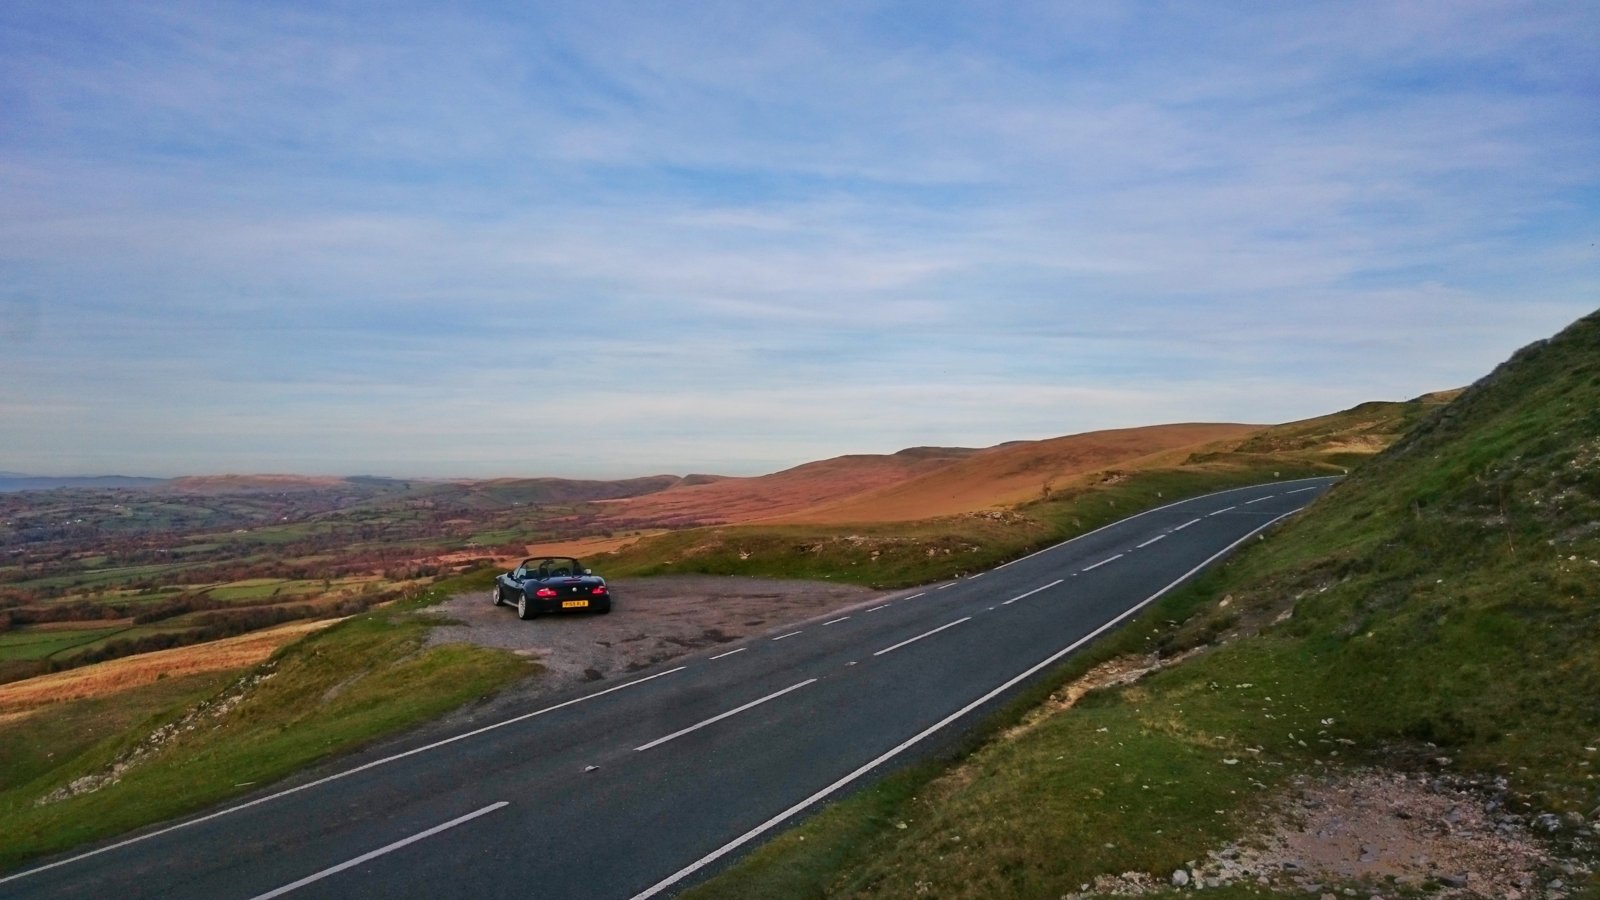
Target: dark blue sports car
[{"x": 552, "y": 584}]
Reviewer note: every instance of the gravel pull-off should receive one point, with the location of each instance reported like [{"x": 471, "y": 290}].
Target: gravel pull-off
[
  {"x": 652, "y": 620},
  {"x": 1372, "y": 833}
]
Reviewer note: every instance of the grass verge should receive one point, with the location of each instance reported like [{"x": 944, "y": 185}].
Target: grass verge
[{"x": 193, "y": 742}]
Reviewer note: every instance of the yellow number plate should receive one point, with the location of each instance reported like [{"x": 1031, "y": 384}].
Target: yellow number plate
[{"x": 570, "y": 604}]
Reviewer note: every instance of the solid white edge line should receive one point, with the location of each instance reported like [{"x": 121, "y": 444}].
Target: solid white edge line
[
  {"x": 1157, "y": 509},
  {"x": 923, "y": 635},
  {"x": 1103, "y": 562},
  {"x": 1185, "y": 525},
  {"x": 730, "y": 653},
  {"x": 789, "y": 635},
  {"x": 1221, "y": 511},
  {"x": 832, "y": 621},
  {"x": 334, "y": 777},
  {"x": 1032, "y": 592},
  {"x": 887, "y": 755},
  {"x": 720, "y": 716},
  {"x": 379, "y": 762},
  {"x": 388, "y": 848},
  {"x": 1151, "y": 541}
]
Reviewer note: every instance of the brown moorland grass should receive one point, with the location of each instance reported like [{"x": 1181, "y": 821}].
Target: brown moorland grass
[
  {"x": 1015, "y": 473},
  {"x": 737, "y": 500},
  {"x": 98, "y": 680}
]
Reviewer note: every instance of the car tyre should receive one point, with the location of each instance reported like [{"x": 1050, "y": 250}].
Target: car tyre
[
  {"x": 525, "y": 610},
  {"x": 495, "y": 596},
  {"x": 601, "y": 609}
]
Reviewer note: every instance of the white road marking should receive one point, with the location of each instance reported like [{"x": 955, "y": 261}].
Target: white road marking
[
  {"x": 1303, "y": 490},
  {"x": 1158, "y": 509},
  {"x": 832, "y": 621},
  {"x": 914, "y": 596},
  {"x": 1185, "y": 525},
  {"x": 923, "y": 635},
  {"x": 719, "y": 717},
  {"x": 972, "y": 577},
  {"x": 876, "y": 608},
  {"x": 1103, "y": 562},
  {"x": 1259, "y": 499},
  {"x": 1032, "y": 592},
  {"x": 730, "y": 652},
  {"x": 1151, "y": 541},
  {"x": 943, "y": 586},
  {"x": 912, "y": 741},
  {"x": 388, "y": 848},
  {"x": 336, "y": 776},
  {"x": 1221, "y": 511},
  {"x": 789, "y": 635}
]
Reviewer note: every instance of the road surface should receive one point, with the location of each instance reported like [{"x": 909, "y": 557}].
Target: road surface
[{"x": 645, "y": 786}]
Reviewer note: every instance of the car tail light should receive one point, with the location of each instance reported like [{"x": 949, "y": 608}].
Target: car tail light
[
  {"x": 600, "y": 590},
  {"x": 545, "y": 592}
]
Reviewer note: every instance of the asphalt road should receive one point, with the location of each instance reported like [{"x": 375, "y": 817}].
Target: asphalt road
[{"x": 645, "y": 786}]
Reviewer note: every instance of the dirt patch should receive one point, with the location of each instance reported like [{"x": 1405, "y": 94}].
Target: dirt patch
[
  {"x": 1112, "y": 673},
  {"x": 21, "y": 697},
  {"x": 653, "y": 620},
  {"x": 1384, "y": 833}
]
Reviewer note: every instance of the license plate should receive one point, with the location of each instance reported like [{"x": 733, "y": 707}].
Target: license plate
[{"x": 573, "y": 604}]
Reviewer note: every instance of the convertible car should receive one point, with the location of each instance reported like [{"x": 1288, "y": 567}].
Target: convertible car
[{"x": 551, "y": 584}]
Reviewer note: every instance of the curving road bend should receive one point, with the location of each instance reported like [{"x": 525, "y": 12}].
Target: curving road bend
[{"x": 642, "y": 788}]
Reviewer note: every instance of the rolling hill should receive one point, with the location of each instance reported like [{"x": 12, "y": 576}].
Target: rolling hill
[{"x": 1399, "y": 686}]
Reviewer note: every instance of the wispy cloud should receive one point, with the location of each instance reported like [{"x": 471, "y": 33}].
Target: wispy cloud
[{"x": 320, "y": 238}]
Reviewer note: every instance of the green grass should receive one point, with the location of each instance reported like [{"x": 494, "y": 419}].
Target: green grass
[
  {"x": 1442, "y": 601},
  {"x": 30, "y": 644},
  {"x": 386, "y": 680}
]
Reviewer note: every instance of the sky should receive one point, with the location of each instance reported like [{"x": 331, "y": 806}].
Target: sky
[{"x": 597, "y": 239}]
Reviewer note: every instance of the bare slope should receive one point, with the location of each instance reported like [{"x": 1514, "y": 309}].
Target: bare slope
[
  {"x": 1014, "y": 473},
  {"x": 733, "y": 500}
]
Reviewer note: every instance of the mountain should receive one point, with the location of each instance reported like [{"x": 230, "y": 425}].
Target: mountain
[
  {"x": 1417, "y": 655},
  {"x": 15, "y": 481}
]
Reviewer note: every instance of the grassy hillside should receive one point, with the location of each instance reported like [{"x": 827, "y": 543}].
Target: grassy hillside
[
  {"x": 897, "y": 554},
  {"x": 1016, "y": 473},
  {"x": 76, "y": 770},
  {"x": 1437, "y": 612}
]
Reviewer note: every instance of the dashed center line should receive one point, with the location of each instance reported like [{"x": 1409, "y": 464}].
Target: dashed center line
[
  {"x": 974, "y": 577},
  {"x": 1221, "y": 511},
  {"x": 832, "y": 621},
  {"x": 789, "y": 635},
  {"x": 387, "y": 848},
  {"x": 914, "y": 596},
  {"x": 1103, "y": 562},
  {"x": 1303, "y": 490},
  {"x": 1151, "y": 541},
  {"x": 1185, "y": 525},
  {"x": 1032, "y": 592},
  {"x": 876, "y": 608},
  {"x": 718, "y": 718},
  {"x": 943, "y": 586},
  {"x": 923, "y": 635},
  {"x": 1259, "y": 499},
  {"x": 730, "y": 652}
]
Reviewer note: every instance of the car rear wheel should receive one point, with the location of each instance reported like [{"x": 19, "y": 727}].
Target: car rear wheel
[{"x": 525, "y": 609}]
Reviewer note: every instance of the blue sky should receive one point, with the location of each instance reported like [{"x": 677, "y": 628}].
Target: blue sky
[{"x": 603, "y": 239}]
